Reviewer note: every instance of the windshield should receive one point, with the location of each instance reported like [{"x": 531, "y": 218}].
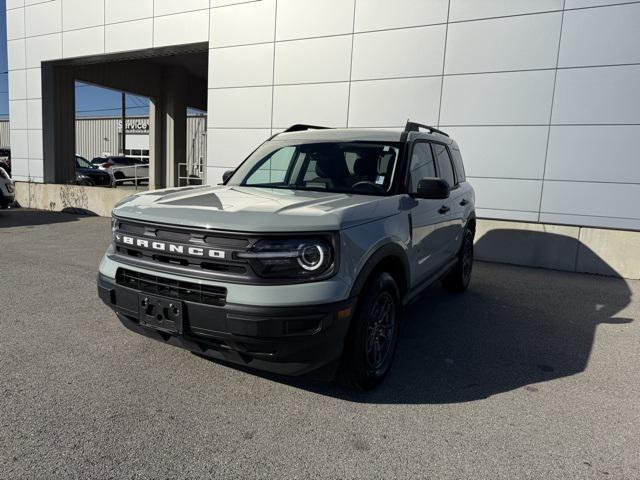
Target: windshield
[
  {"x": 83, "y": 163},
  {"x": 345, "y": 167}
]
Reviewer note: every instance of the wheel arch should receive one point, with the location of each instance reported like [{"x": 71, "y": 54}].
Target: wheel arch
[
  {"x": 471, "y": 223},
  {"x": 389, "y": 258}
]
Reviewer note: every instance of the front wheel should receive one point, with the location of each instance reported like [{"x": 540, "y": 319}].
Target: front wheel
[
  {"x": 458, "y": 279},
  {"x": 372, "y": 338}
]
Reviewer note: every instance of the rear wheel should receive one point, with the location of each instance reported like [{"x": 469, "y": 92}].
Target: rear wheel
[
  {"x": 458, "y": 279},
  {"x": 373, "y": 336}
]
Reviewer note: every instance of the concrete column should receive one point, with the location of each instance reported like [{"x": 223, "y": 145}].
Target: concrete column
[
  {"x": 58, "y": 124},
  {"x": 175, "y": 122},
  {"x": 157, "y": 173}
]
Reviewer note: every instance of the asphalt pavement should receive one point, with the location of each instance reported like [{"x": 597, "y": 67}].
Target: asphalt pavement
[{"x": 530, "y": 374}]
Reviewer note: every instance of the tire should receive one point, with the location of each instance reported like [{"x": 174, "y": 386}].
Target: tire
[
  {"x": 457, "y": 280},
  {"x": 373, "y": 336},
  {"x": 119, "y": 176}
]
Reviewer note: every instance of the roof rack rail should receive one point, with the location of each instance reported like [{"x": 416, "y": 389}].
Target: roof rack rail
[
  {"x": 300, "y": 127},
  {"x": 415, "y": 127}
]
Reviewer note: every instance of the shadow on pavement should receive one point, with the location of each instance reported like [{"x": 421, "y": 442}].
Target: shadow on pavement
[
  {"x": 21, "y": 217},
  {"x": 514, "y": 327}
]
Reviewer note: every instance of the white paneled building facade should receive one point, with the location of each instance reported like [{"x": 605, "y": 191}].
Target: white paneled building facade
[{"x": 542, "y": 95}]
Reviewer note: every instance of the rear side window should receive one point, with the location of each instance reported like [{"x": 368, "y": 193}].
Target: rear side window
[
  {"x": 422, "y": 165},
  {"x": 445, "y": 166},
  {"x": 457, "y": 162}
]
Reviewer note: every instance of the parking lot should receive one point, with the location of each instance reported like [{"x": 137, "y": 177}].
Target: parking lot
[{"x": 530, "y": 374}]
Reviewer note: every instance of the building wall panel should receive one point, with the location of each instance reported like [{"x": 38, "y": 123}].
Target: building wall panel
[
  {"x": 601, "y": 36},
  {"x": 313, "y": 18},
  {"x": 530, "y": 105}
]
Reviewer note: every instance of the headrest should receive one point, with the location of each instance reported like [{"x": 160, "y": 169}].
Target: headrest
[
  {"x": 366, "y": 166},
  {"x": 331, "y": 164}
]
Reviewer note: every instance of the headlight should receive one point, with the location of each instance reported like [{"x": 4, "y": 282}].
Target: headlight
[
  {"x": 81, "y": 176},
  {"x": 291, "y": 258}
]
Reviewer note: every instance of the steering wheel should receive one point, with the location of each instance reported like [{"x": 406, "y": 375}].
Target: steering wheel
[{"x": 372, "y": 186}]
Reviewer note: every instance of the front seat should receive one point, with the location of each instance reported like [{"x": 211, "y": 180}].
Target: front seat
[
  {"x": 331, "y": 169},
  {"x": 365, "y": 169}
]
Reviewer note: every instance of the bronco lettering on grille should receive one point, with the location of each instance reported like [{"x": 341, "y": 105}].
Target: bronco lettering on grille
[{"x": 167, "y": 247}]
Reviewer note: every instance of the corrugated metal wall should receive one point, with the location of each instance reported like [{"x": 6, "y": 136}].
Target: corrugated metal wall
[
  {"x": 4, "y": 133},
  {"x": 197, "y": 140},
  {"x": 96, "y": 136}
]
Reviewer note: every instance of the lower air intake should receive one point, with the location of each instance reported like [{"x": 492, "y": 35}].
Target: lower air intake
[{"x": 166, "y": 287}]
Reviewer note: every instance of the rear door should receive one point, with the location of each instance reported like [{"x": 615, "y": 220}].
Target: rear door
[
  {"x": 430, "y": 219},
  {"x": 455, "y": 214},
  {"x": 125, "y": 165}
]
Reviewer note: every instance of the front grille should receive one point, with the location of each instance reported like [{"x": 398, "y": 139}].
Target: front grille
[
  {"x": 166, "y": 287},
  {"x": 182, "y": 236},
  {"x": 229, "y": 268}
]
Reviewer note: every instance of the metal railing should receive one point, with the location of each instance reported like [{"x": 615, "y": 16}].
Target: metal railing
[
  {"x": 188, "y": 174},
  {"x": 192, "y": 173},
  {"x": 137, "y": 178}
]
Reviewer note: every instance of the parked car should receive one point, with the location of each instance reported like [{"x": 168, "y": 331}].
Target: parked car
[
  {"x": 90, "y": 175},
  {"x": 304, "y": 257},
  {"x": 5, "y": 159},
  {"x": 124, "y": 169},
  {"x": 7, "y": 189}
]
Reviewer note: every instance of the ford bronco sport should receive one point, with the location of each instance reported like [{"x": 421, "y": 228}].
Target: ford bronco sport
[{"x": 303, "y": 257}]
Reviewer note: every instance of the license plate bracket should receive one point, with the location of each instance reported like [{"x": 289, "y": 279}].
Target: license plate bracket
[{"x": 160, "y": 313}]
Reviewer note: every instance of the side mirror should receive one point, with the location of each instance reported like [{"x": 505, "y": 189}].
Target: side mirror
[
  {"x": 227, "y": 175},
  {"x": 432, "y": 188}
]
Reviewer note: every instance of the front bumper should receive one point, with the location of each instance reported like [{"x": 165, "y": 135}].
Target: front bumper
[{"x": 284, "y": 340}]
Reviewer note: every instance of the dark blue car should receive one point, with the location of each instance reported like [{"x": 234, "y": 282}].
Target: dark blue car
[{"x": 90, "y": 175}]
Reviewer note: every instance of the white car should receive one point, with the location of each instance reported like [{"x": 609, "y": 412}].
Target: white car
[
  {"x": 7, "y": 189},
  {"x": 124, "y": 169}
]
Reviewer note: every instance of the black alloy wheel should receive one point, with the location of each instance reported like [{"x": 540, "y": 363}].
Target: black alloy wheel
[
  {"x": 457, "y": 280},
  {"x": 373, "y": 335}
]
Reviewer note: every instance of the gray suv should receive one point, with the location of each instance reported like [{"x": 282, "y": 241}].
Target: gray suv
[{"x": 304, "y": 257}]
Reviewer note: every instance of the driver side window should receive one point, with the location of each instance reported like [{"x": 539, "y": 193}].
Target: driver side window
[{"x": 422, "y": 165}]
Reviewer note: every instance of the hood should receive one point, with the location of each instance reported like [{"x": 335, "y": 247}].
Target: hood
[{"x": 251, "y": 209}]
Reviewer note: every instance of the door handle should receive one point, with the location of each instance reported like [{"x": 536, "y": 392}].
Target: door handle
[
  {"x": 464, "y": 202},
  {"x": 444, "y": 209}
]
